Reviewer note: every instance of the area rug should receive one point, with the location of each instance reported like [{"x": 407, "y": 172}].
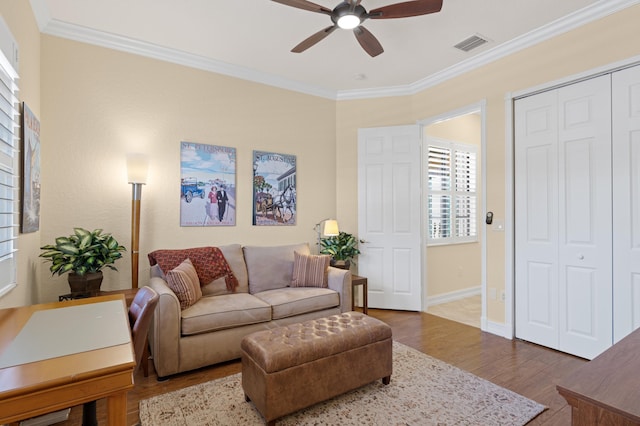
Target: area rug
[{"x": 423, "y": 391}]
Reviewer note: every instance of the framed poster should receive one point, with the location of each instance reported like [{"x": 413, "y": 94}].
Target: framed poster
[
  {"x": 274, "y": 188},
  {"x": 31, "y": 171},
  {"x": 207, "y": 185}
]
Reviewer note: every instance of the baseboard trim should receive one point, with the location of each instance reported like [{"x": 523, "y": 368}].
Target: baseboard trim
[
  {"x": 453, "y": 296},
  {"x": 499, "y": 329}
]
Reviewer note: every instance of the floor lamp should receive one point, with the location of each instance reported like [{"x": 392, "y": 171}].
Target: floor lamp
[{"x": 137, "y": 166}]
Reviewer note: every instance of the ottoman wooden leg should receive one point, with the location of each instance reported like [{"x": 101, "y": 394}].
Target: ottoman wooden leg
[{"x": 386, "y": 380}]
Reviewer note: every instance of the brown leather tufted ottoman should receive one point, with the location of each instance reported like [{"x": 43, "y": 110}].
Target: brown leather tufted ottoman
[{"x": 289, "y": 368}]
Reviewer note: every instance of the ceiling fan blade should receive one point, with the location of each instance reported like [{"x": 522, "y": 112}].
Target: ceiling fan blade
[
  {"x": 310, "y": 41},
  {"x": 306, "y": 5},
  {"x": 369, "y": 43},
  {"x": 406, "y": 9}
]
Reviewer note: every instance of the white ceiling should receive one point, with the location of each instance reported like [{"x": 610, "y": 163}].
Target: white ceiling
[{"x": 252, "y": 39}]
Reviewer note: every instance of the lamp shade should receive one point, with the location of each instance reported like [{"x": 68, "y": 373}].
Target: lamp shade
[
  {"x": 331, "y": 228},
  {"x": 137, "y": 168}
]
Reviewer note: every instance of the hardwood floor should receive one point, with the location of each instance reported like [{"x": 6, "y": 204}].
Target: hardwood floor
[{"x": 525, "y": 368}]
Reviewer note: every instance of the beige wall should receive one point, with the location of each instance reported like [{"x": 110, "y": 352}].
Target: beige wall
[
  {"x": 453, "y": 268},
  {"x": 608, "y": 40},
  {"x": 99, "y": 104}
]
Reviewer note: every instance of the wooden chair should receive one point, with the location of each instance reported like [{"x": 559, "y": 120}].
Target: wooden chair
[{"x": 140, "y": 315}]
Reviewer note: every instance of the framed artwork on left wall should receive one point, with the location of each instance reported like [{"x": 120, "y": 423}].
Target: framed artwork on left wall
[{"x": 30, "y": 200}]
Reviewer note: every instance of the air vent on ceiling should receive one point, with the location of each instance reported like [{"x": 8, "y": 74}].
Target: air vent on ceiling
[{"x": 471, "y": 43}]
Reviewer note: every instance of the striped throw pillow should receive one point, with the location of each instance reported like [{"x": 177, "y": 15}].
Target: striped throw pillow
[
  {"x": 310, "y": 270},
  {"x": 184, "y": 282}
]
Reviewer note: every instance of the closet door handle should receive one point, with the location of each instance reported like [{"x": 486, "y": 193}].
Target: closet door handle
[{"x": 581, "y": 257}]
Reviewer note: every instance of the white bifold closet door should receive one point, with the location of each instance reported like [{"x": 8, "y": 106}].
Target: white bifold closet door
[
  {"x": 563, "y": 218},
  {"x": 626, "y": 201}
]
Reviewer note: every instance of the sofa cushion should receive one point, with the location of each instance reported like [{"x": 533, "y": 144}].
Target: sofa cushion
[
  {"x": 235, "y": 259},
  {"x": 213, "y": 313},
  {"x": 209, "y": 262},
  {"x": 310, "y": 270},
  {"x": 183, "y": 281},
  {"x": 287, "y": 302},
  {"x": 271, "y": 267}
]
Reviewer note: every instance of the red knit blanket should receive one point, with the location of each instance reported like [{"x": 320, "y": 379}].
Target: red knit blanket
[{"x": 209, "y": 263}]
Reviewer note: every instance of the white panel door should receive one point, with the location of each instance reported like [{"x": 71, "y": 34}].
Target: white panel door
[
  {"x": 536, "y": 219},
  {"x": 389, "y": 216},
  {"x": 626, "y": 199},
  {"x": 585, "y": 194},
  {"x": 563, "y": 218}
]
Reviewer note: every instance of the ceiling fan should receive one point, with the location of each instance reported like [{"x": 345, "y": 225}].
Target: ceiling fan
[{"x": 350, "y": 14}]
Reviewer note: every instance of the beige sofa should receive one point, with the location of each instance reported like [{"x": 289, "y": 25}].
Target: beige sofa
[{"x": 210, "y": 331}]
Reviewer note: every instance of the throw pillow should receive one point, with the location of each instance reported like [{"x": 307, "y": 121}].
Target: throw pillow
[
  {"x": 184, "y": 282},
  {"x": 310, "y": 270},
  {"x": 209, "y": 262}
]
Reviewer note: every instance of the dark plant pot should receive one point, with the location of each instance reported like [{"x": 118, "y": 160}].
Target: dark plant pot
[
  {"x": 85, "y": 285},
  {"x": 342, "y": 264}
]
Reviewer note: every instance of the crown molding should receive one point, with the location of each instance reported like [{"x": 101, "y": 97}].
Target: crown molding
[
  {"x": 86, "y": 35},
  {"x": 581, "y": 17},
  {"x": 137, "y": 47}
]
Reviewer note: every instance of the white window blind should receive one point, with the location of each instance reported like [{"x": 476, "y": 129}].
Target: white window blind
[
  {"x": 451, "y": 192},
  {"x": 9, "y": 131},
  {"x": 439, "y": 187}
]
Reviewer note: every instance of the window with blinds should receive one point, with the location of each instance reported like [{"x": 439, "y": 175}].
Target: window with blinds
[
  {"x": 9, "y": 161},
  {"x": 451, "y": 192}
]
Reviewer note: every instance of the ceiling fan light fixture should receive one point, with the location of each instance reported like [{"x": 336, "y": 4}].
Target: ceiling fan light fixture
[
  {"x": 350, "y": 14},
  {"x": 348, "y": 22}
]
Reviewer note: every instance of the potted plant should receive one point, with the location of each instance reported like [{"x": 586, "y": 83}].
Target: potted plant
[
  {"x": 342, "y": 248},
  {"x": 83, "y": 254}
]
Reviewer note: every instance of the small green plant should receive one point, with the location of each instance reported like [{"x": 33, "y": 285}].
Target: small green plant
[
  {"x": 343, "y": 246},
  {"x": 83, "y": 252}
]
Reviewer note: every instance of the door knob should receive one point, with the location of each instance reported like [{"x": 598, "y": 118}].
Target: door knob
[{"x": 581, "y": 257}]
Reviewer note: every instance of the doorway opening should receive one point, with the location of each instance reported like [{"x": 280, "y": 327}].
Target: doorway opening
[{"x": 453, "y": 214}]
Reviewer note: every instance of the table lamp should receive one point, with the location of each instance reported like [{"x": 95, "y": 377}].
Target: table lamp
[{"x": 328, "y": 228}]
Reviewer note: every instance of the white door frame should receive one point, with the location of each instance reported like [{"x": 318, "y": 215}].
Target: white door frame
[
  {"x": 472, "y": 108},
  {"x": 510, "y": 255}
]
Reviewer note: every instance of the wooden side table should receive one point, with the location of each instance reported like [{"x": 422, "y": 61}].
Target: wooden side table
[{"x": 357, "y": 280}]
